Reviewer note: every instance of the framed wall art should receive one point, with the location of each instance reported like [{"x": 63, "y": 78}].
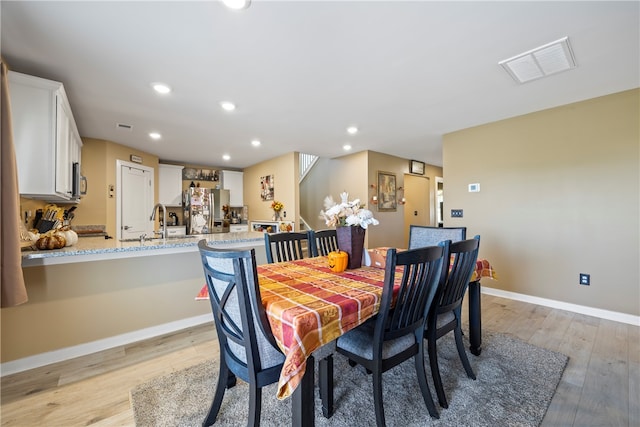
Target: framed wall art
[
  {"x": 266, "y": 187},
  {"x": 387, "y": 200},
  {"x": 417, "y": 167}
]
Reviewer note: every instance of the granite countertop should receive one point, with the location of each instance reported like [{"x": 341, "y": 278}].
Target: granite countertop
[{"x": 99, "y": 248}]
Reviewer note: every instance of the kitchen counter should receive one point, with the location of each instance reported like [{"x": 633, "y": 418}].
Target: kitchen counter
[
  {"x": 100, "y": 294},
  {"x": 99, "y": 248}
]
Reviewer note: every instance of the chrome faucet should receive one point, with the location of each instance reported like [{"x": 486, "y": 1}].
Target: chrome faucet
[{"x": 162, "y": 232}]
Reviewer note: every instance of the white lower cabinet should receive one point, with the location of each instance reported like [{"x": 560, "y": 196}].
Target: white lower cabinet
[{"x": 238, "y": 228}]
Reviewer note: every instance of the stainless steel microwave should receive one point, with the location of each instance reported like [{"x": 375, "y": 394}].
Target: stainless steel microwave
[{"x": 79, "y": 185}]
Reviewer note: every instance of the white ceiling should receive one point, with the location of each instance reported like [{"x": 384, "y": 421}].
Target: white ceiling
[{"x": 300, "y": 72}]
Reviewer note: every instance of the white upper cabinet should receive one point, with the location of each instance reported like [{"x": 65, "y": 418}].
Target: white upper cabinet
[
  {"x": 46, "y": 138},
  {"x": 170, "y": 184},
  {"x": 233, "y": 181}
]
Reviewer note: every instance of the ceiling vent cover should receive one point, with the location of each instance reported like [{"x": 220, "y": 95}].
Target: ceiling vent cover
[{"x": 540, "y": 62}]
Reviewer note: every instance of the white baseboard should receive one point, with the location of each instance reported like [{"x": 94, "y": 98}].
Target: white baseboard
[
  {"x": 575, "y": 308},
  {"x": 66, "y": 353}
]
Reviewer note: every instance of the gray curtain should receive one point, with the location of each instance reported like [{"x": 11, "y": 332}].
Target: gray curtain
[{"x": 12, "y": 285}]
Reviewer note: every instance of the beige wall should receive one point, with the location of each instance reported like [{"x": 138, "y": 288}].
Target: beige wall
[
  {"x": 72, "y": 304},
  {"x": 392, "y": 228},
  {"x": 99, "y": 166},
  {"x": 313, "y": 189},
  {"x": 286, "y": 190},
  {"x": 356, "y": 173},
  {"x": 559, "y": 196}
]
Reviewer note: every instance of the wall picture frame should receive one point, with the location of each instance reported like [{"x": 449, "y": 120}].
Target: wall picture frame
[
  {"x": 416, "y": 167},
  {"x": 387, "y": 192},
  {"x": 267, "y": 187}
]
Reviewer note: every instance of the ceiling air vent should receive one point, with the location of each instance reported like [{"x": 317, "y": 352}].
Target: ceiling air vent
[
  {"x": 123, "y": 126},
  {"x": 540, "y": 62}
]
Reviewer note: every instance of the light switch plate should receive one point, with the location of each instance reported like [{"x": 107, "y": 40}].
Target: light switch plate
[{"x": 456, "y": 213}]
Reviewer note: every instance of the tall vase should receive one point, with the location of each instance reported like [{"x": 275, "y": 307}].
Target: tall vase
[
  {"x": 276, "y": 216},
  {"x": 351, "y": 240}
]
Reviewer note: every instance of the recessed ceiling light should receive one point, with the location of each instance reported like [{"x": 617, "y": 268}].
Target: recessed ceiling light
[
  {"x": 226, "y": 157},
  {"x": 256, "y": 143},
  {"x": 155, "y": 135},
  {"x": 352, "y": 130},
  {"x": 346, "y": 147},
  {"x": 161, "y": 88},
  {"x": 237, "y": 4},
  {"x": 228, "y": 106}
]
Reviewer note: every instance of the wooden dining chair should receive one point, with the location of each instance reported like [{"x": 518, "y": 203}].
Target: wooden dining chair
[
  {"x": 397, "y": 332},
  {"x": 445, "y": 314},
  {"x": 420, "y": 235},
  {"x": 323, "y": 241},
  {"x": 247, "y": 346},
  {"x": 287, "y": 246}
]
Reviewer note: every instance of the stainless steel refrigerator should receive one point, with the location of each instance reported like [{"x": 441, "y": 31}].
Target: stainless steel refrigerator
[{"x": 203, "y": 210}]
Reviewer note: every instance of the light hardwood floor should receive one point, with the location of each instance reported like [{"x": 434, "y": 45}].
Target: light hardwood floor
[{"x": 600, "y": 386}]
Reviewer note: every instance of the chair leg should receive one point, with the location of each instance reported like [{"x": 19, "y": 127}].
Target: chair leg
[
  {"x": 326, "y": 385},
  {"x": 424, "y": 387},
  {"x": 377, "y": 398},
  {"x": 462, "y": 353},
  {"x": 435, "y": 371},
  {"x": 224, "y": 378},
  {"x": 255, "y": 403}
]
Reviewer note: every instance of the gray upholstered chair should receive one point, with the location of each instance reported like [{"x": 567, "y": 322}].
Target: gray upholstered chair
[
  {"x": 287, "y": 246},
  {"x": 420, "y": 235},
  {"x": 247, "y": 346},
  {"x": 396, "y": 334},
  {"x": 445, "y": 315},
  {"x": 323, "y": 241}
]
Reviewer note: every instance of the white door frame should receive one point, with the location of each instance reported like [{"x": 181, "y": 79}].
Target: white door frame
[
  {"x": 436, "y": 201},
  {"x": 119, "y": 165}
]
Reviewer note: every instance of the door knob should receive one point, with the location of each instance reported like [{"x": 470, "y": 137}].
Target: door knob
[{"x": 126, "y": 227}]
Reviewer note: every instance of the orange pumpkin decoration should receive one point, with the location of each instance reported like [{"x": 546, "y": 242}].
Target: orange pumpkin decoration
[{"x": 338, "y": 261}]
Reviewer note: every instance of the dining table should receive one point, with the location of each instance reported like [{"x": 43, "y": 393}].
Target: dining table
[{"x": 309, "y": 306}]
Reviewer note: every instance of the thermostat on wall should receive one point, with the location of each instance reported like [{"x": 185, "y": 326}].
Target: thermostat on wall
[{"x": 474, "y": 188}]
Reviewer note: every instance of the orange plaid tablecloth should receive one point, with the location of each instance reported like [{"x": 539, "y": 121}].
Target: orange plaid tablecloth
[
  {"x": 483, "y": 269},
  {"x": 308, "y": 306}
]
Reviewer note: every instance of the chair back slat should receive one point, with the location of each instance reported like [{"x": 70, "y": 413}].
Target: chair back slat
[
  {"x": 420, "y": 273},
  {"x": 420, "y": 235},
  {"x": 323, "y": 241},
  {"x": 457, "y": 272},
  {"x": 282, "y": 247}
]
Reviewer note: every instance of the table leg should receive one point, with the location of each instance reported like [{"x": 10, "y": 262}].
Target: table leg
[
  {"x": 475, "y": 321},
  {"x": 326, "y": 385},
  {"x": 302, "y": 401}
]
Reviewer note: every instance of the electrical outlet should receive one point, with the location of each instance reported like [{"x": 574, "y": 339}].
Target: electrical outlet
[
  {"x": 456, "y": 213},
  {"x": 585, "y": 279}
]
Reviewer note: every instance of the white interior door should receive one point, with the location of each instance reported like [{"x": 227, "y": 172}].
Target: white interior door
[{"x": 135, "y": 197}]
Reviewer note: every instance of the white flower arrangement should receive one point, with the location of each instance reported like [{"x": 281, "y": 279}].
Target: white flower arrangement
[{"x": 347, "y": 213}]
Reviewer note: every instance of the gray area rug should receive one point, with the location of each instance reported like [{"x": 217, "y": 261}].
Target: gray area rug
[{"x": 514, "y": 386}]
